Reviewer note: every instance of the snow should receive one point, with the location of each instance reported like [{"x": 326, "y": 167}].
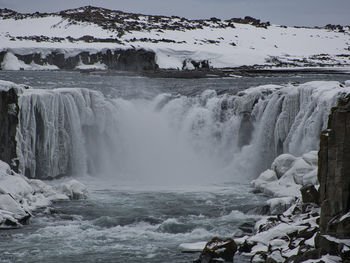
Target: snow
[
  {"x": 73, "y": 189},
  {"x": 96, "y": 66},
  {"x": 212, "y": 42},
  {"x": 192, "y": 247},
  {"x": 11, "y": 62},
  {"x": 294, "y": 171},
  {"x": 326, "y": 258},
  {"x": 20, "y": 196}
]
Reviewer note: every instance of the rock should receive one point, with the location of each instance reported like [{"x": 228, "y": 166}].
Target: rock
[
  {"x": 8, "y": 127},
  {"x": 117, "y": 59},
  {"x": 12, "y": 214},
  {"x": 247, "y": 227},
  {"x": 246, "y": 247},
  {"x": 324, "y": 243},
  {"x": 312, "y": 254},
  {"x": 334, "y": 171},
  {"x": 246, "y": 129},
  {"x": 309, "y": 194},
  {"x": 218, "y": 250}
]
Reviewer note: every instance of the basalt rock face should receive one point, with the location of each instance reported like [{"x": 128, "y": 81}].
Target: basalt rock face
[
  {"x": 126, "y": 60},
  {"x": 334, "y": 172},
  {"x": 8, "y": 127}
]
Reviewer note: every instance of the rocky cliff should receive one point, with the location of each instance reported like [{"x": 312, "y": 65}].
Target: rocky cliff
[
  {"x": 118, "y": 59},
  {"x": 8, "y": 127},
  {"x": 334, "y": 178}
]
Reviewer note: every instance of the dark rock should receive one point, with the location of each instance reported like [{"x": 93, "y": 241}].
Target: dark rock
[
  {"x": 312, "y": 254},
  {"x": 307, "y": 233},
  {"x": 247, "y": 227},
  {"x": 246, "y": 129},
  {"x": 334, "y": 171},
  {"x": 124, "y": 60},
  {"x": 246, "y": 247},
  {"x": 8, "y": 127},
  {"x": 327, "y": 245},
  {"x": 218, "y": 249},
  {"x": 309, "y": 194}
]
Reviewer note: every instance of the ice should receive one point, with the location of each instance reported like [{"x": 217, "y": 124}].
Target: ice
[
  {"x": 11, "y": 62},
  {"x": 294, "y": 173},
  {"x": 73, "y": 189},
  {"x": 203, "y": 132},
  {"x": 19, "y": 196},
  {"x": 96, "y": 66},
  {"x": 282, "y": 164},
  {"x": 192, "y": 247}
]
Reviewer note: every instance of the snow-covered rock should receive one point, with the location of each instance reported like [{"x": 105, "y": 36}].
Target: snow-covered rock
[
  {"x": 73, "y": 189},
  {"x": 285, "y": 236},
  {"x": 282, "y": 164},
  {"x": 19, "y": 196},
  {"x": 192, "y": 247},
  {"x": 294, "y": 172}
]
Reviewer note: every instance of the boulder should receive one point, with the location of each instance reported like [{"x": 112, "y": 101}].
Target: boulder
[
  {"x": 309, "y": 194},
  {"x": 218, "y": 250}
]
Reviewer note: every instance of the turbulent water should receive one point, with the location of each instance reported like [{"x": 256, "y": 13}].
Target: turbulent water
[{"x": 169, "y": 161}]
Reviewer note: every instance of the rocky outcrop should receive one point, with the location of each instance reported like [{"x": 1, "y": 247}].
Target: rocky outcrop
[
  {"x": 126, "y": 60},
  {"x": 334, "y": 172},
  {"x": 8, "y": 127},
  {"x": 218, "y": 250}
]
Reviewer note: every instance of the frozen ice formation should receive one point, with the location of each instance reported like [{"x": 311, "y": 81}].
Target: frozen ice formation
[{"x": 20, "y": 196}]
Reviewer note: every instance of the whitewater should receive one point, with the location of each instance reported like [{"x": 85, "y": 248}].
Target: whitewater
[{"x": 166, "y": 161}]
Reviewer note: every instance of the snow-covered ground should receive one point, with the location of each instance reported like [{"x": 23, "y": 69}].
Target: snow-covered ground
[{"x": 173, "y": 39}]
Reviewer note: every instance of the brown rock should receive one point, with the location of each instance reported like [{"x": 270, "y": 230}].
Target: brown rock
[
  {"x": 309, "y": 194},
  {"x": 218, "y": 248}
]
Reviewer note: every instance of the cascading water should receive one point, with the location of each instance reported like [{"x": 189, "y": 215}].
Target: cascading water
[{"x": 171, "y": 138}]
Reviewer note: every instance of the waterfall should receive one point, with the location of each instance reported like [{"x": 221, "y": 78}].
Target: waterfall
[{"x": 172, "y": 137}]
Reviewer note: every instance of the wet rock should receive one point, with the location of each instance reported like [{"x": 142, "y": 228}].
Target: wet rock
[
  {"x": 218, "y": 250},
  {"x": 246, "y": 129},
  {"x": 246, "y": 247},
  {"x": 309, "y": 194},
  {"x": 247, "y": 227}
]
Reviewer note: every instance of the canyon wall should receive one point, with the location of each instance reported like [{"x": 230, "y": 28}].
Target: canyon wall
[
  {"x": 334, "y": 172},
  {"x": 119, "y": 59}
]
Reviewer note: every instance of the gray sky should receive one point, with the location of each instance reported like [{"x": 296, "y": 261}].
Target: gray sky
[{"x": 284, "y": 12}]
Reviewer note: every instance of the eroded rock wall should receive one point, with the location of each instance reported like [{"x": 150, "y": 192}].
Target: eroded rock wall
[
  {"x": 334, "y": 172},
  {"x": 127, "y": 60},
  {"x": 8, "y": 125}
]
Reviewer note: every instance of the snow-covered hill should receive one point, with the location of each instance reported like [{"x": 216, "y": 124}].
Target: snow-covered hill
[{"x": 176, "y": 41}]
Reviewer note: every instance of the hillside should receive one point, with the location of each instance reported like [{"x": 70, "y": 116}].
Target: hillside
[{"x": 178, "y": 43}]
